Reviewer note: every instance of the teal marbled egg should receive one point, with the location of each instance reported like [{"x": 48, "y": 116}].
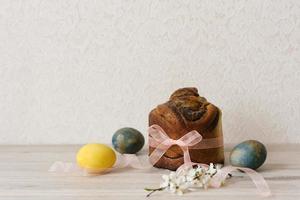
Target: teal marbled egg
[
  {"x": 251, "y": 154},
  {"x": 128, "y": 140}
]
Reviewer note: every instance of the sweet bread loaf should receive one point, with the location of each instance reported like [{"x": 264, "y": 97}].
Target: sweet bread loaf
[{"x": 186, "y": 111}]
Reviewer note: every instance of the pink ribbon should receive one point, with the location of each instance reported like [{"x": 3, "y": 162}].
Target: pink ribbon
[
  {"x": 256, "y": 178},
  {"x": 123, "y": 161},
  {"x": 219, "y": 178},
  {"x": 131, "y": 160},
  {"x": 159, "y": 140}
]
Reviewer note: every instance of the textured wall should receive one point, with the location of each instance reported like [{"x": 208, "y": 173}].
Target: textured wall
[{"x": 75, "y": 71}]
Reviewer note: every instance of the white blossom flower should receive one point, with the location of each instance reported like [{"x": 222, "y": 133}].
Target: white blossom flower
[
  {"x": 211, "y": 169},
  {"x": 188, "y": 179},
  {"x": 165, "y": 182}
]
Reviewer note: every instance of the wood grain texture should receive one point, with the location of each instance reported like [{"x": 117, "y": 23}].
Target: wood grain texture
[{"x": 23, "y": 175}]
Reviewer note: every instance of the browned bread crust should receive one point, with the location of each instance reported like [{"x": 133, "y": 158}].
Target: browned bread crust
[{"x": 186, "y": 111}]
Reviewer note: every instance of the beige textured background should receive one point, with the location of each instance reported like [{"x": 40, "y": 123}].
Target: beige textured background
[{"x": 75, "y": 71}]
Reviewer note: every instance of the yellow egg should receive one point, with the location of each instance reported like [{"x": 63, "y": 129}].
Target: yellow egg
[{"x": 96, "y": 157}]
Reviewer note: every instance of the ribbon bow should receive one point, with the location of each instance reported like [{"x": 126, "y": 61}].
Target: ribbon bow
[{"x": 162, "y": 142}]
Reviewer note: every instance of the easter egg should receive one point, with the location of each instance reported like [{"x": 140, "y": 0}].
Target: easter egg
[
  {"x": 96, "y": 157},
  {"x": 251, "y": 154},
  {"x": 128, "y": 140}
]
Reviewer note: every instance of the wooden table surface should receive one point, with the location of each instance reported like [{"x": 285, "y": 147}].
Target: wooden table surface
[{"x": 23, "y": 175}]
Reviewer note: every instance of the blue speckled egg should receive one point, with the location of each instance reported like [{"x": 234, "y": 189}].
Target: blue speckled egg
[
  {"x": 251, "y": 154},
  {"x": 128, "y": 140}
]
